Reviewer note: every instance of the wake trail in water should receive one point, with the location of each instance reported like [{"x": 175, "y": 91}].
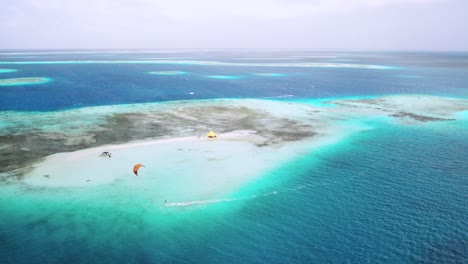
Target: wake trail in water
[
  {"x": 225, "y": 200},
  {"x": 254, "y": 196}
]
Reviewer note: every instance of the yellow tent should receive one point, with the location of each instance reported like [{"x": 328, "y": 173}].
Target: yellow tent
[{"x": 211, "y": 134}]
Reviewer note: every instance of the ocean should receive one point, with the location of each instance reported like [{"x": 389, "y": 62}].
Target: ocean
[{"x": 388, "y": 193}]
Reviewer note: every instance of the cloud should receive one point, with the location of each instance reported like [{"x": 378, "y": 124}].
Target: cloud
[
  {"x": 262, "y": 9},
  {"x": 215, "y": 23},
  {"x": 164, "y": 10}
]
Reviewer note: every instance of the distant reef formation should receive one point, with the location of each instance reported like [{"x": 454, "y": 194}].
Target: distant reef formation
[
  {"x": 6, "y": 70},
  {"x": 23, "y": 81}
]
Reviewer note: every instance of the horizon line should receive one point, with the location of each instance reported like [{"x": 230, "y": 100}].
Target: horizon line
[{"x": 224, "y": 49}]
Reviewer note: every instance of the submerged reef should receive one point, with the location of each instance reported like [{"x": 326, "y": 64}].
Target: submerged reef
[
  {"x": 269, "y": 74},
  {"x": 24, "y": 143},
  {"x": 23, "y": 81},
  {"x": 421, "y": 117},
  {"x": 6, "y": 70}
]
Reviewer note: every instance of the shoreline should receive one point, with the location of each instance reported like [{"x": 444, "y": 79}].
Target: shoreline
[
  {"x": 248, "y": 126},
  {"x": 177, "y": 169}
]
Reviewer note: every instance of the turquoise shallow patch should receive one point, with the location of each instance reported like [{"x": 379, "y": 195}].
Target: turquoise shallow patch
[
  {"x": 269, "y": 74},
  {"x": 463, "y": 115},
  {"x": 4, "y": 124},
  {"x": 167, "y": 72},
  {"x": 224, "y": 77},
  {"x": 410, "y": 76},
  {"x": 24, "y": 81},
  {"x": 7, "y": 70},
  {"x": 325, "y": 102}
]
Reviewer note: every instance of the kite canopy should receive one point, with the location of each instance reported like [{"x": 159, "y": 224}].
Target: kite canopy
[
  {"x": 211, "y": 134},
  {"x": 136, "y": 168}
]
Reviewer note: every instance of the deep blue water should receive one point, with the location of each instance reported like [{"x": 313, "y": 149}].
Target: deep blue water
[
  {"x": 393, "y": 194},
  {"x": 79, "y": 85},
  {"x": 385, "y": 196},
  {"x": 361, "y": 205}
]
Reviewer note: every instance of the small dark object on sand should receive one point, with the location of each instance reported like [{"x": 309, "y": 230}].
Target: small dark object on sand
[{"x": 106, "y": 154}]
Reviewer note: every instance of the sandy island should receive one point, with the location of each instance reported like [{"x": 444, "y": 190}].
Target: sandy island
[{"x": 254, "y": 136}]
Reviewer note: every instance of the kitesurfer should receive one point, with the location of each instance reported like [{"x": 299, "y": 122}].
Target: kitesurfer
[
  {"x": 105, "y": 153},
  {"x": 136, "y": 168}
]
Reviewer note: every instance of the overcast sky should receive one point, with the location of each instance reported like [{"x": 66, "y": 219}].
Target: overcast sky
[{"x": 217, "y": 24}]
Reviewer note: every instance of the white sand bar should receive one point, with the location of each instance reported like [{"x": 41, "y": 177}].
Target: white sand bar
[{"x": 181, "y": 168}]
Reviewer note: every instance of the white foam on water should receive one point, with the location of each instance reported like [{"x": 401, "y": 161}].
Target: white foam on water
[{"x": 244, "y": 198}]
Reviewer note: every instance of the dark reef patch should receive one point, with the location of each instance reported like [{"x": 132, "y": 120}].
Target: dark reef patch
[
  {"x": 20, "y": 149},
  {"x": 420, "y": 118}
]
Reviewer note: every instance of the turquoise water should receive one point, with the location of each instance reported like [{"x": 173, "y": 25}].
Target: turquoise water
[
  {"x": 6, "y": 70},
  {"x": 224, "y": 77},
  {"x": 167, "y": 72},
  {"x": 269, "y": 74},
  {"x": 351, "y": 201},
  {"x": 388, "y": 194}
]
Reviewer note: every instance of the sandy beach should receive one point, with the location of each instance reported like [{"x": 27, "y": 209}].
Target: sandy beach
[
  {"x": 175, "y": 169},
  {"x": 86, "y": 167}
]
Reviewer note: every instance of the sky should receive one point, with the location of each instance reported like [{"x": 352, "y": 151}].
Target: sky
[{"x": 239, "y": 24}]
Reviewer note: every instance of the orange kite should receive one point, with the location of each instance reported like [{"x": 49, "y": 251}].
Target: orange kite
[{"x": 136, "y": 168}]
